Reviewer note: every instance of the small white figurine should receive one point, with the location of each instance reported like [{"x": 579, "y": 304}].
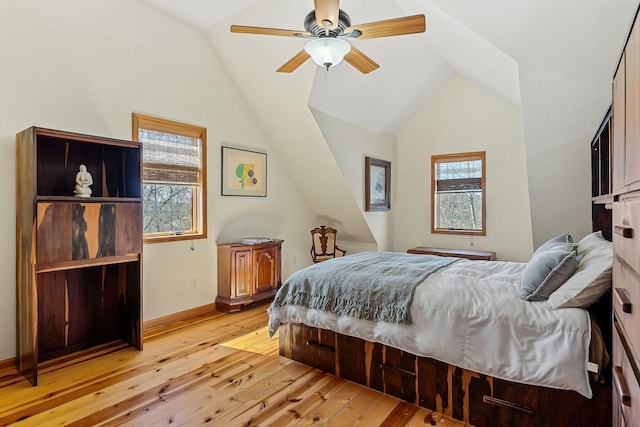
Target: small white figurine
[{"x": 83, "y": 181}]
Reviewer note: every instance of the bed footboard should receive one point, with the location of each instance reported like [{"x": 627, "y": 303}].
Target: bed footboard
[{"x": 476, "y": 399}]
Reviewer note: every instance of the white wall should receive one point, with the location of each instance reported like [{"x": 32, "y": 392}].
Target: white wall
[
  {"x": 85, "y": 66},
  {"x": 350, "y": 144},
  {"x": 558, "y": 153},
  {"x": 465, "y": 117},
  {"x": 280, "y": 101}
]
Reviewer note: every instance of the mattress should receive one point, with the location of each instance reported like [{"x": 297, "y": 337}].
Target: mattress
[{"x": 469, "y": 314}]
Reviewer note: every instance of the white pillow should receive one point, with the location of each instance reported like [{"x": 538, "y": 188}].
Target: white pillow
[
  {"x": 592, "y": 278},
  {"x": 592, "y": 241}
]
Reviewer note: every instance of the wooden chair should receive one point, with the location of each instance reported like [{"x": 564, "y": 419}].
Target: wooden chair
[{"x": 324, "y": 244}]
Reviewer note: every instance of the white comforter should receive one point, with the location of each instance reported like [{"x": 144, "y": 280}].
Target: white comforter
[{"x": 470, "y": 315}]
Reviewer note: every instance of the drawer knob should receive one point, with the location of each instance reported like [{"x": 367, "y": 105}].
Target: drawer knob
[
  {"x": 626, "y": 232},
  {"x": 621, "y": 386},
  {"x": 623, "y": 299}
]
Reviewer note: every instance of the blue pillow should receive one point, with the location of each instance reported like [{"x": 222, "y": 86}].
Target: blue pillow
[
  {"x": 563, "y": 241},
  {"x": 545, "y": 272}
]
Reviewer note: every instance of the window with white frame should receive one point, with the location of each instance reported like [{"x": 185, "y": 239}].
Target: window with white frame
[
  {"x": 173, "y": 178},
  {"x": 458, "y": 193}
]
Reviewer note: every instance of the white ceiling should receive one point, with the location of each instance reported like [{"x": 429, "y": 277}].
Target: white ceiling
[
  {"x": 413, "y": 67},
  {"x": 553, "y": 58},
  {"x": 484, "y": 41}
]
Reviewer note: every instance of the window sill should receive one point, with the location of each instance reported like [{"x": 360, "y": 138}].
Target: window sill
[
  {"x": 174, "y": 237},
  {"x": 459, "y": 232}
]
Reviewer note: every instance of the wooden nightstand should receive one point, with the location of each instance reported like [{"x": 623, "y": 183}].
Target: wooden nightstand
[
  {"x": 458, "y": 253},
  {"x": 247, "y": 273}
]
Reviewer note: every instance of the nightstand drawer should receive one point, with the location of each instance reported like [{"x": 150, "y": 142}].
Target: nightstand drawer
[{"x": 457, "y": 253}]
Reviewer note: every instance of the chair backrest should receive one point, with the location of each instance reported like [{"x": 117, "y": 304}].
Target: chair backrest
[{"x": 324, "y": 244}]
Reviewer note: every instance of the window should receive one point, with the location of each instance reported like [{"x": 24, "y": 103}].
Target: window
[
  {"x": 458, "y": 193},
  {"x": 173, "y": 178}
]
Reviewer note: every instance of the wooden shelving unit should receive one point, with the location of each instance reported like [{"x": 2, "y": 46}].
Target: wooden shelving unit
[
  {"x": 79, "y": 260},
  {"x": 625, "y": 355},
  {"x": 602, "y": 177}
]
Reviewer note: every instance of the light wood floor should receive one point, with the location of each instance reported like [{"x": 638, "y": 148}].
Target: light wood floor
[{"x": 218, "y": 370}]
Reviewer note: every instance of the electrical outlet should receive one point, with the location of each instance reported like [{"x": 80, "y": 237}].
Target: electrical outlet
[
  {"x": 294, "y": 260},
  {"x": 194, "y": 283}
]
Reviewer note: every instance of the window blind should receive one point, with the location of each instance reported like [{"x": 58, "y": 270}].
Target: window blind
[
  {"x": 169, "y": 158},
  {"x": 459, "y": 176},
  {"x": 457, "y": 185}
]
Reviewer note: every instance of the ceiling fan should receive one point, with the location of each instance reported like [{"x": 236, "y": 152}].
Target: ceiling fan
[{"x": 327, "y": 27}]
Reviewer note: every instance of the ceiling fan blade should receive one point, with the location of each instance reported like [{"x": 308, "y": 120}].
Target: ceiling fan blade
[
  {"x": 390, "y": 27},
  {"x": 268, "y": 31},
  {"x": 292, "y": 64},
  {"x": 327, "y": 13},
  {"x": 360, "y": 61}
]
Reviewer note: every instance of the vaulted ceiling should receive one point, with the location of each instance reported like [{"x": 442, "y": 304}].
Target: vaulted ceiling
[
  {"x": 521, "y": 50},
  {"x": 412, "y": 67}
]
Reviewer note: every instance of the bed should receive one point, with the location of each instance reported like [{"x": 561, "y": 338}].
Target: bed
[{"x": 486, "y": 342}]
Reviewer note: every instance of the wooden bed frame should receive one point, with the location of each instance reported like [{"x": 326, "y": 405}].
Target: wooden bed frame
[{"x": 464, "y": 395}]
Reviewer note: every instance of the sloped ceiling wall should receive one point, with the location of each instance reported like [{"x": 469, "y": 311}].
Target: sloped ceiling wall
[
  {"x": 554, "y": 59},
  {"x": 567, "y": 52},
  {"x": 381, "y": 102},
  {"x": 350, "y": 144}
]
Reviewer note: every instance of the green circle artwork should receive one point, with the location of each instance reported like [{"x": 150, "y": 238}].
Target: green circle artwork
[{"x": 246, "y": 175}]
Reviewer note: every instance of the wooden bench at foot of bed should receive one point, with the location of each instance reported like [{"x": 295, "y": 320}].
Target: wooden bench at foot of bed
[{"x": 476, "y": 399}]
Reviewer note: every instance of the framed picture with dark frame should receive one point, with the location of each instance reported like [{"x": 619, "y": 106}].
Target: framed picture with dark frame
[
  {"x": 377, "y": 184},
  {"x": 244, "y": 172}
]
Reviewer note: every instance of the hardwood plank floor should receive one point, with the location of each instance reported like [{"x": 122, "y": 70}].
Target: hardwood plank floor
[{"x": 217, "y": 369}]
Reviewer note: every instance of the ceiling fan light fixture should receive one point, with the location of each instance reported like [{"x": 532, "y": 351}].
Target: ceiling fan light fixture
[{"x": 327, "y": 51}]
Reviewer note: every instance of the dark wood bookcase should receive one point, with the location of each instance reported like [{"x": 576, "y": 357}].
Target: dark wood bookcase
[
  {"x": 602, "y": 177},
  {"x": 79, "y": 260}
]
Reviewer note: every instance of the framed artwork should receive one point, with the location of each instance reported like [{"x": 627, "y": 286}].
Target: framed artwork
[
  {"x": 244, "y": 172},
  {"x": 377, "y": 184}
]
